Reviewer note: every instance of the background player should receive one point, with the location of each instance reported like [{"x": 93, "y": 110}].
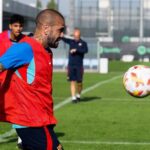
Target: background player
[
  {"x": 12, "y": 36},
  {"x": 77, "y": 49}
]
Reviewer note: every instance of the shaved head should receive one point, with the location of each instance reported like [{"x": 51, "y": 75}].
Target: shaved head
[
  {"x": 50, "y": 26},
  {"x": 77, "y": 34},
  {"x": 49, "y": 17}
]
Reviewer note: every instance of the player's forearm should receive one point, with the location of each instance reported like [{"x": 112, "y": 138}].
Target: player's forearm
[
  {"x": 82, "y": 50},
  {"x": 1, "y": 68}
]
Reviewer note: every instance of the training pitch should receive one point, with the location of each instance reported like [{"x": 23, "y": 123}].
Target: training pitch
[{"x": 107, "y": 118}]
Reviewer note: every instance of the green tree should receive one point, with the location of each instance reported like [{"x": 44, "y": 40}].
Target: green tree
[
  {"x": 38, "y": 4},
  {"x": 52, "y": 4}
]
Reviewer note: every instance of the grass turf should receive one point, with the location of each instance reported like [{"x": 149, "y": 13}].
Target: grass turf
[{"x": 105, "y": 114}]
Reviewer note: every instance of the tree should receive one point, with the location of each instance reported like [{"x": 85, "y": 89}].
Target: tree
[
  {"x": 38, "y": 4},
  {"x": 52, "y": 5}
]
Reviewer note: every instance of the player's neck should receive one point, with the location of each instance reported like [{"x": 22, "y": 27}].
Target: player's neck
[
  {"x": 40, "y": 37},
  {"x": 13, "y": 37}
]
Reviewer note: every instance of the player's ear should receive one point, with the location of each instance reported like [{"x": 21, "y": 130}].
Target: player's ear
[
  {"x": 10, "y": 26},
  {"x": 45, "y": 29}
]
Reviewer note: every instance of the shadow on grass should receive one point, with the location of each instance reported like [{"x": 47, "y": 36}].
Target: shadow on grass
[
  {"x": 9, "y": 140},
  {"x": 60, "y": 134},
  {"x": 87, "y": 99}
]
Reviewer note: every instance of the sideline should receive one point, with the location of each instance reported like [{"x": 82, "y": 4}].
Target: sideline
[{"x": 3, "y": 137}]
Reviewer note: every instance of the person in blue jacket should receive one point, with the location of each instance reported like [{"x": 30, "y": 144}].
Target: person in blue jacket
[{"x": 77, "y": 49}]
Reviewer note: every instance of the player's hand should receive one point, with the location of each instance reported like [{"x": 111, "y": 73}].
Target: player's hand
[
  {"x": 73, "y": 51},
  {"x": 59, "y": 147}
]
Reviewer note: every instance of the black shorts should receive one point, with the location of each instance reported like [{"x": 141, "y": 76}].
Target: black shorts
[
  {"x": 38, "y": 138},
  {"x": 75, "y": 73}
]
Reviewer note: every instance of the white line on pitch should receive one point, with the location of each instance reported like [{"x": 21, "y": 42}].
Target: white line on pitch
[
  {"x": 3, "y": 137},
  {"x": 105, "y": 142},
  {"x": 125, "y": 99},
  {"x": 66, "y": 101}
]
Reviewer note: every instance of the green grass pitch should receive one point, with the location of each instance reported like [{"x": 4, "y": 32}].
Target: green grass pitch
[{"x": 107, "y": 118}]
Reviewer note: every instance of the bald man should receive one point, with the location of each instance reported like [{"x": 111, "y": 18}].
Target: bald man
[
  {"x": 77, "y": 49},
  {"x": 26, "y": 90}
]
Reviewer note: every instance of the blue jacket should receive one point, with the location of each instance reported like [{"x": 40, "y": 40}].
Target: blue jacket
[{"x": 76, "y": 59}]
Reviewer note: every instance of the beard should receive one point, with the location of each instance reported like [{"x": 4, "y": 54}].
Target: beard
[{"x": 53, "y": 43}]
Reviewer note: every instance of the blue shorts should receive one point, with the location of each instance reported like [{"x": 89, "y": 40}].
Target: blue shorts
[
  {"x": 75, "y": 73},
  {"x": 38, "y": 138}
]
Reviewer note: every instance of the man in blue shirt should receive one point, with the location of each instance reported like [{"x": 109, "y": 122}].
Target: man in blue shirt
[{"x": 77, "y": 49}]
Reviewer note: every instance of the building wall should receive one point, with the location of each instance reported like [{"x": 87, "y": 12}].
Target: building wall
[
  {"x": 11, "y": 7},
  {"x": 113, "y": 18}
]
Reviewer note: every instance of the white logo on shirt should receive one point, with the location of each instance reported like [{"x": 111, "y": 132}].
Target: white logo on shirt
[{"x": 80, "y": 44}]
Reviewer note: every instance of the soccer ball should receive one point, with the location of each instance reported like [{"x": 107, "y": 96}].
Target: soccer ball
[{"x": 137, "y": 81}]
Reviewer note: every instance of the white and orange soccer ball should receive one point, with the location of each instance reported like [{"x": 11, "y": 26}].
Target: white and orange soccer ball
[{"x": 136, "y": 80}]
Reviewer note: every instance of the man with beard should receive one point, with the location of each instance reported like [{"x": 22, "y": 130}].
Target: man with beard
[{"x": 26, "y": 91}]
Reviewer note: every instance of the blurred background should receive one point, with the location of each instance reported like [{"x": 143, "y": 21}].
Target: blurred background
[{"x": 114, "y": 29}]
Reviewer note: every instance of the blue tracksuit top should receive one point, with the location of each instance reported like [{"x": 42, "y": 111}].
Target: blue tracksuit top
[{"x": 76, "y": 59}]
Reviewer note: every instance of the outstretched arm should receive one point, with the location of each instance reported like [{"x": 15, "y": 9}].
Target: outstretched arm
[{"x": 66, "y": 40}]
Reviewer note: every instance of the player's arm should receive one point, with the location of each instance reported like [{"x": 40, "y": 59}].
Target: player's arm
[
  {"x": 66, "y": 40},
  {"x": 16, "y": 56}
]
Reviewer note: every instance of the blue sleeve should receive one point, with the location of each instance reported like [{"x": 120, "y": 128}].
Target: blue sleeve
[{"x": 17, "y": 55}]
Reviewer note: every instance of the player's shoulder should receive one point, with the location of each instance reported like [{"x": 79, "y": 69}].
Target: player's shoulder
[
  {"x": 21, "y": 46},
  {"x": 4, "y": 35},
  {"x": 4, "y": 32},
  {"x": 31, "y": 41},
  {"x": 82, "y": 41}
]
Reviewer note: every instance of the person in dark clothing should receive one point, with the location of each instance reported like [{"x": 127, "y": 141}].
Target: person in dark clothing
[{"x": 77, "y": 49}]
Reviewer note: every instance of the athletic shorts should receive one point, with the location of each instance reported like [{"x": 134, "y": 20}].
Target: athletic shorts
[
  {"x": 38, "y": 138},
  {"x": 75, "y": 73}
]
